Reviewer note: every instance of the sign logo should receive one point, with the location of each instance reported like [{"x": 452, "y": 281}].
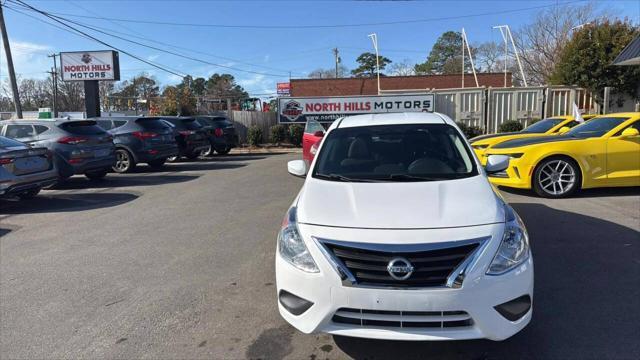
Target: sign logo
[
  {"x": 86, "y": 58},
  {"x": 292, "y": 110},
  {"x": 400, "y": 268}
]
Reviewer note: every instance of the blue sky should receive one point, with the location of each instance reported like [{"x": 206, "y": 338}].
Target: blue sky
[{"x": 268, "y": 51}]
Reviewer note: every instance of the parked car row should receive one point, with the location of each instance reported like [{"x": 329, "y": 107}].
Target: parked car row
[{"x": 35, "y": 154}]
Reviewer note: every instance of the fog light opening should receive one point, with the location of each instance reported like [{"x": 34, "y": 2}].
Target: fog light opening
[
  {"x": 294, "y": 304},
  {"x": 515, "y": 309}
]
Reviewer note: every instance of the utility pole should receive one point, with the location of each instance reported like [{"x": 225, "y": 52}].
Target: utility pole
[
  {"x": 336, "y": 54},
  {"x": 54, "y": 75},
  {"x": 12, "y": 73},
  {"x": 374, "y": 39}
]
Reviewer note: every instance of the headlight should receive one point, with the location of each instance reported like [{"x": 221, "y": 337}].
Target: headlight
[
  {"x": 514, "y": 248},
  {"x": 291, "y": 245}
]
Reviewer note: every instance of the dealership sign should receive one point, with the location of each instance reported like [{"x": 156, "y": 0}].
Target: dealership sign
[
  {"x": 328, "y": 109},
  {"x": 283, "y": 88},
  {"x": 90, "y": 65}
]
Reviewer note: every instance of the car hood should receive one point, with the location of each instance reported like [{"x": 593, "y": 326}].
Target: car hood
[
  {"x": 532, "y": 141},
  {"x": 491, "y": 136},
  {"x": 400, "y": 205}
]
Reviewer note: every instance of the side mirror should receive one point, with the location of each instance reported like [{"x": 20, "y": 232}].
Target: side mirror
[
  {"x": 318, "y": 133},
  {"x": 629, "y": 132},
  {"x": 563, "y": 130},
  {"x": 496, "y": 163},
  {"x": 297, "y": 168}
]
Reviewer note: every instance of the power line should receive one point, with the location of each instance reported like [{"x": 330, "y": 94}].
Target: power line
[
  {"x": 398, "y": 22},
  {"x": 163, "y": 68},
  {"x": 61, "y": 19}
]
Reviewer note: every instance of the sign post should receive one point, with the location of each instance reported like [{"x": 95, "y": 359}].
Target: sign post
[
  {"x": 90, "y": 67},
  {"x": 328, "y": 109}
]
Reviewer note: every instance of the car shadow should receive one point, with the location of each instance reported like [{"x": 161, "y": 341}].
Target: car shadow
[
  {"x": 65, "y": 202},
  {"x": 586, "y": 297},
  {"x": 585, "y": 193},
  {"x": 189, "y": 166},
  {"x": 122, "y": 180}
]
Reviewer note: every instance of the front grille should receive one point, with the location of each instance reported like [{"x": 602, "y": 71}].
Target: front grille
[
  {"x": 403, "y": 319},
  {"x": 431, "y": 267}
]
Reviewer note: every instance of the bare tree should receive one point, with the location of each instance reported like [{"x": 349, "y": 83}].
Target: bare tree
[
  {"x": 540, "y": 43},
  {"x": 329, "y": 73},
  {"x": 403, "y": 68},
  {"x": 488, "y": 56}
]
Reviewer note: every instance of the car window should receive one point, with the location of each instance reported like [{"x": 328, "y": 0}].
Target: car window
[
  {"x": 82, "y": 128},
  {"x": 313, "y": 126},
  {"x": 8, "y": 143},
  {"x": 119, "y": 123},
  {"x": 416, "y": 152},
  {"x": 635, "y": 125},
  {"x": 19, "y": 131},
  {"x": 105, "y": 124},
  {"x": 543, "y": 125},
  {"x": 153, "y": 124},
  {"x": 191, "y": 124},
  {"x": 596, "y": 127},
  {"x": 40, "y": 129}
]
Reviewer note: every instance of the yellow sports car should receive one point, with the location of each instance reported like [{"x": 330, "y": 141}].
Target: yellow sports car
[
  {"x": 549, "y": 126},
  {"x": 602, "y": 152}
]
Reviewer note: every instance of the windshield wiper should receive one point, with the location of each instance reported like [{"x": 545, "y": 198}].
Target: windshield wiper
[
  {"x": 338, "y": 177},
  {"x": 406, "y": 177}
]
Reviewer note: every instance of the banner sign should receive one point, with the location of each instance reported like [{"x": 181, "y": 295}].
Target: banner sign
[
  {"x": 90, "y": 65},
  {"x": 283, "y": 88},
  {"x": 328, "y": 109}
]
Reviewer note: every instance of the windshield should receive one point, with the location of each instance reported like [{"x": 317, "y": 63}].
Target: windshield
[
  {"x": 542, "y": 126},
  {"x": 596, "y": 127},
  {"x": 421, "y": 152}
]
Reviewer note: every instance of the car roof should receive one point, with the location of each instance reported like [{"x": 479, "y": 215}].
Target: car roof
[
  {"x": 55, "y": 121},
  {"x": 393, "y": 119}
]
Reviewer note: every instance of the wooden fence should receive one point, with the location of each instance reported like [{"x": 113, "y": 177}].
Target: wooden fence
[{"x": 245, "y": 119}]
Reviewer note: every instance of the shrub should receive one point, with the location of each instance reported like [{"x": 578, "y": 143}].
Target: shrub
[
  {"x": 295, "y": 134},
  {"x": 510, "y": 126},
  {"x": 469, "y": 131},
  {"x": 254, "y": 135},
  {"x": 276, "y": 134}
]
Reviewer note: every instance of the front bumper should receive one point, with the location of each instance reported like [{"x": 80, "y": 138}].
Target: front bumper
[
  {"x": 518, "y": 174},
  {"x": 477, "y": 297}
]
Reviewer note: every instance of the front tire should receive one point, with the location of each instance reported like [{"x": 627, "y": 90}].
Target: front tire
[
  {"x": 96, "y": 175},
  {"x": 124, "y": 162},
  {"x": 557, "y": 177}
]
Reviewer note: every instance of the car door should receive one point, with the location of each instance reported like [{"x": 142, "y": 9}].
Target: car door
[
  {"x": 25, "y": 133},
  {"x": 313, "y": 133},
  {"x": 623, "y": 158}
]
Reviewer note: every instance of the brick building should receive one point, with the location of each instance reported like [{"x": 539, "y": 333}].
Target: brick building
[{"x": 368, "y": 86}]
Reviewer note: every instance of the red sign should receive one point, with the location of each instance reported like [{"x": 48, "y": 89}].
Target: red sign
[{"x": 284, "y": 88}]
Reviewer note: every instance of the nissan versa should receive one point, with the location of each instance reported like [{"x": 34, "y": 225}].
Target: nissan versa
[{"x": 397, "y": 234}]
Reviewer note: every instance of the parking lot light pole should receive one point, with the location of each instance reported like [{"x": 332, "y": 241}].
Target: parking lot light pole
[{"x": 374, "y": 39}]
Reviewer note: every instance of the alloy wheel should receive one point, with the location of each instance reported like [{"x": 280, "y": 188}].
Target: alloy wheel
[
  {"x": 123, "y": 161},
  {"x": 557, "y": 177}
]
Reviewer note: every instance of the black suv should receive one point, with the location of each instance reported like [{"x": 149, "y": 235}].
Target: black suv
[
  {"x": 139, "y": 140},
  {"x": 189, "y": 134},
  {"x": 221, "y": 132}
]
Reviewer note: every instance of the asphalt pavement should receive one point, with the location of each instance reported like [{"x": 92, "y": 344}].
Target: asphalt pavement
[{"x": 180, "y": 264}]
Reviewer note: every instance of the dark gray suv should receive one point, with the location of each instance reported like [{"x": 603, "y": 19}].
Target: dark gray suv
[
  {"x": 139, "y": 140},
  {"x": 78, "y": 146}
]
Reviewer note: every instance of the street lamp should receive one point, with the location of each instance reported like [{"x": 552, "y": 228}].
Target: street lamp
[{"x": 374, "y": 39}]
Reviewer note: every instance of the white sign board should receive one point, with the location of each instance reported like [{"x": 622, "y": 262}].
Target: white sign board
[
  {"x": 328, "y": 109},
  {"x": 90, "y": 65}
]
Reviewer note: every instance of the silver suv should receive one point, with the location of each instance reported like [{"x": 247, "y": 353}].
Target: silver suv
[{"x": 78, "y": 146}]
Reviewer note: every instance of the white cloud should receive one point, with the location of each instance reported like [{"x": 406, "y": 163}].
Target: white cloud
[
  {"x": 153, "y": 57},
  {"x": 29, "y": 59}
]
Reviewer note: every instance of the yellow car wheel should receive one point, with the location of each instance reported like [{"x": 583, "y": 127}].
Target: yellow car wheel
[{"x": 556, "y": 177}]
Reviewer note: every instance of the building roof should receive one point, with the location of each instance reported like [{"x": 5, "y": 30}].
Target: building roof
[
  {"x": 368, "y": 86},
  {"x": 392, "y": 119},
  {"x": 630, "y": 55}
]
